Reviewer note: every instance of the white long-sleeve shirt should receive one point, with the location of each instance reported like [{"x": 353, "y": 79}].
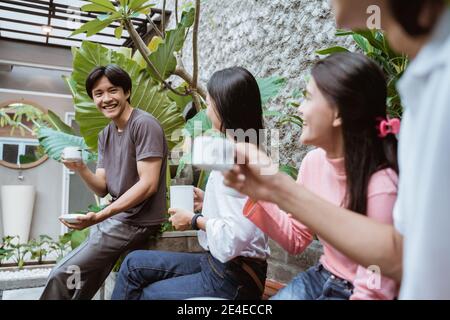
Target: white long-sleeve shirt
[
  {"x": 422, "y": 211},
  {"x": 228, "y": 233}
]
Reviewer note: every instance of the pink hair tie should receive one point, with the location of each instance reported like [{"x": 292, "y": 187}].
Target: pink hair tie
[{"x": 388, "y": 126}]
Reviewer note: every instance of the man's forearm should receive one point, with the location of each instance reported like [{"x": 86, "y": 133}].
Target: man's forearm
[
  {"x": 362, "y": 239},
  {"x": 93, "y": 182},
  {"x": 134, "y": 196}
]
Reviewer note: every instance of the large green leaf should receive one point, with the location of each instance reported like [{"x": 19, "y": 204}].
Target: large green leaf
[
  {"x": 284, "y": 117},
  {"x": 270, "y": 87},
  {"x": 92, "y": 7},
  {"x": 148, "y": 96},
  {"x": 92, "y": 27},
  {"x": 146, "y": 93},
  {"x": 123, "y": 3},
  {"x": 197, "y": 125},
  {"x": 58, "y": 124},
  {"x": 163, "y": 59},
  {"x": 104, "y": 3},
  {"x": 371, "y": 37},
  {"x": 289, "y": 170},
  {"x": 90, "y": 120},
  {"x": 188, "y": 17},
  {"x": 136, "y": 4},
  {"x": 331, "y": 50},
  {"x": 77, "y": 237},
  {"x": 363, "y": 43},
  {"x": 54, "y": 142},
  {"x": 118, "y": 32},
  {"x": 181, "y": 101}
]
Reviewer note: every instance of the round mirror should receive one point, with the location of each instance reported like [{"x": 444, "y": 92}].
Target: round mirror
[{"x": 19, "y": 147}]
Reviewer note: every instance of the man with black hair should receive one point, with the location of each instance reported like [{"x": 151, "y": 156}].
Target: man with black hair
[{"x": 131, "y": 167}]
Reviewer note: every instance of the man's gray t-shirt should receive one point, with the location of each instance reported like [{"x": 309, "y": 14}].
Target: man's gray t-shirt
[{"x": 119, "y": 152}]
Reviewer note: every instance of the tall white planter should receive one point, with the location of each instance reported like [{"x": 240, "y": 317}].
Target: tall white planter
[{"x": 17, "y": 210}]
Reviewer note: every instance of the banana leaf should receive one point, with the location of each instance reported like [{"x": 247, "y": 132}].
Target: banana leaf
[{"x": 54, "y": 142}]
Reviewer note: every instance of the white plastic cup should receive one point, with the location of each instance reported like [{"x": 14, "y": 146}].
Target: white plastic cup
[
  {"x": 72, "y": 154},
  {"x": 182, "y": 197}
]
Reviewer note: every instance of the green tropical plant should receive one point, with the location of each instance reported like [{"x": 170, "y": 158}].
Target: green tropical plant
[
  {"x": 61, "y": 246},
  {"x": 68, "y": 241},
  {"x": 39, "y": 248},
  {"x": 15, "y": 114},
  {"x": 5, "y": 118},
  {"x": 18, "y": 250},
  {"x": 289, "y": 170},
  {"x": 270, "y": 87},
  {"x": 158, "y": 56},
  {"x": 288, "y": 116},
  {"x": 374, "y": 44},
  {"x": 77, "y": 237},
  {"x": 163, "y": 58},
  {"x": 11, "y": 248},
  {"x": 5, "y": 252}
]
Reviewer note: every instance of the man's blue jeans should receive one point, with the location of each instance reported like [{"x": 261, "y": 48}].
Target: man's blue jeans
[
  {"x": 159, "y": 275},
  {"x": 315, "y": 284}
]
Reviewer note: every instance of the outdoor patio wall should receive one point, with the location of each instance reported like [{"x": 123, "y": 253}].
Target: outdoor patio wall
[
  {"x": 47, "y": 178},
  {"x": 269, "y": 37}
]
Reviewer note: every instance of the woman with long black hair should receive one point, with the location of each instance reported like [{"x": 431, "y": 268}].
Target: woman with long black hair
[
  {"x": 234, "y": 266},
  {"x": 354, "y": 166}
]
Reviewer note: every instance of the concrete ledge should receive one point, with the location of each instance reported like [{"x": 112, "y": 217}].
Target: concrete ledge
[
  {"x": 179, "y": 234},
  {"x": 177, "y": 241},
  {"x": 27, "y": 281}
]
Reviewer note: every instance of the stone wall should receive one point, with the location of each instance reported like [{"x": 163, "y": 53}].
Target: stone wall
[
  {"x": 268, "y": 37},
  {"x": 283, "y": 266}
]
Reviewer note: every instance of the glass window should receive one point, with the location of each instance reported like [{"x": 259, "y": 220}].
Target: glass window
[
  {"x": 10, "y": 153},
  {"x": 19, "y": 151}
]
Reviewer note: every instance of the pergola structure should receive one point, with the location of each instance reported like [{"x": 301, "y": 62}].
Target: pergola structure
[{"x": 50, "y": 22}]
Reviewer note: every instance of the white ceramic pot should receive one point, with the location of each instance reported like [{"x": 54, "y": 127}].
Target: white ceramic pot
[{"x": 17, "y": 210}]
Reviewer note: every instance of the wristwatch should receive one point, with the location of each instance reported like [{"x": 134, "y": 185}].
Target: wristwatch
[{"x": 194, "y": 225}]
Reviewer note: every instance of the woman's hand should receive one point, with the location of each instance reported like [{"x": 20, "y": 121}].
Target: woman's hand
[
  {"x": 254, "y": 174},
  {"x": 180, "y": 218},
  {"x": 199, "y": 195}
]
